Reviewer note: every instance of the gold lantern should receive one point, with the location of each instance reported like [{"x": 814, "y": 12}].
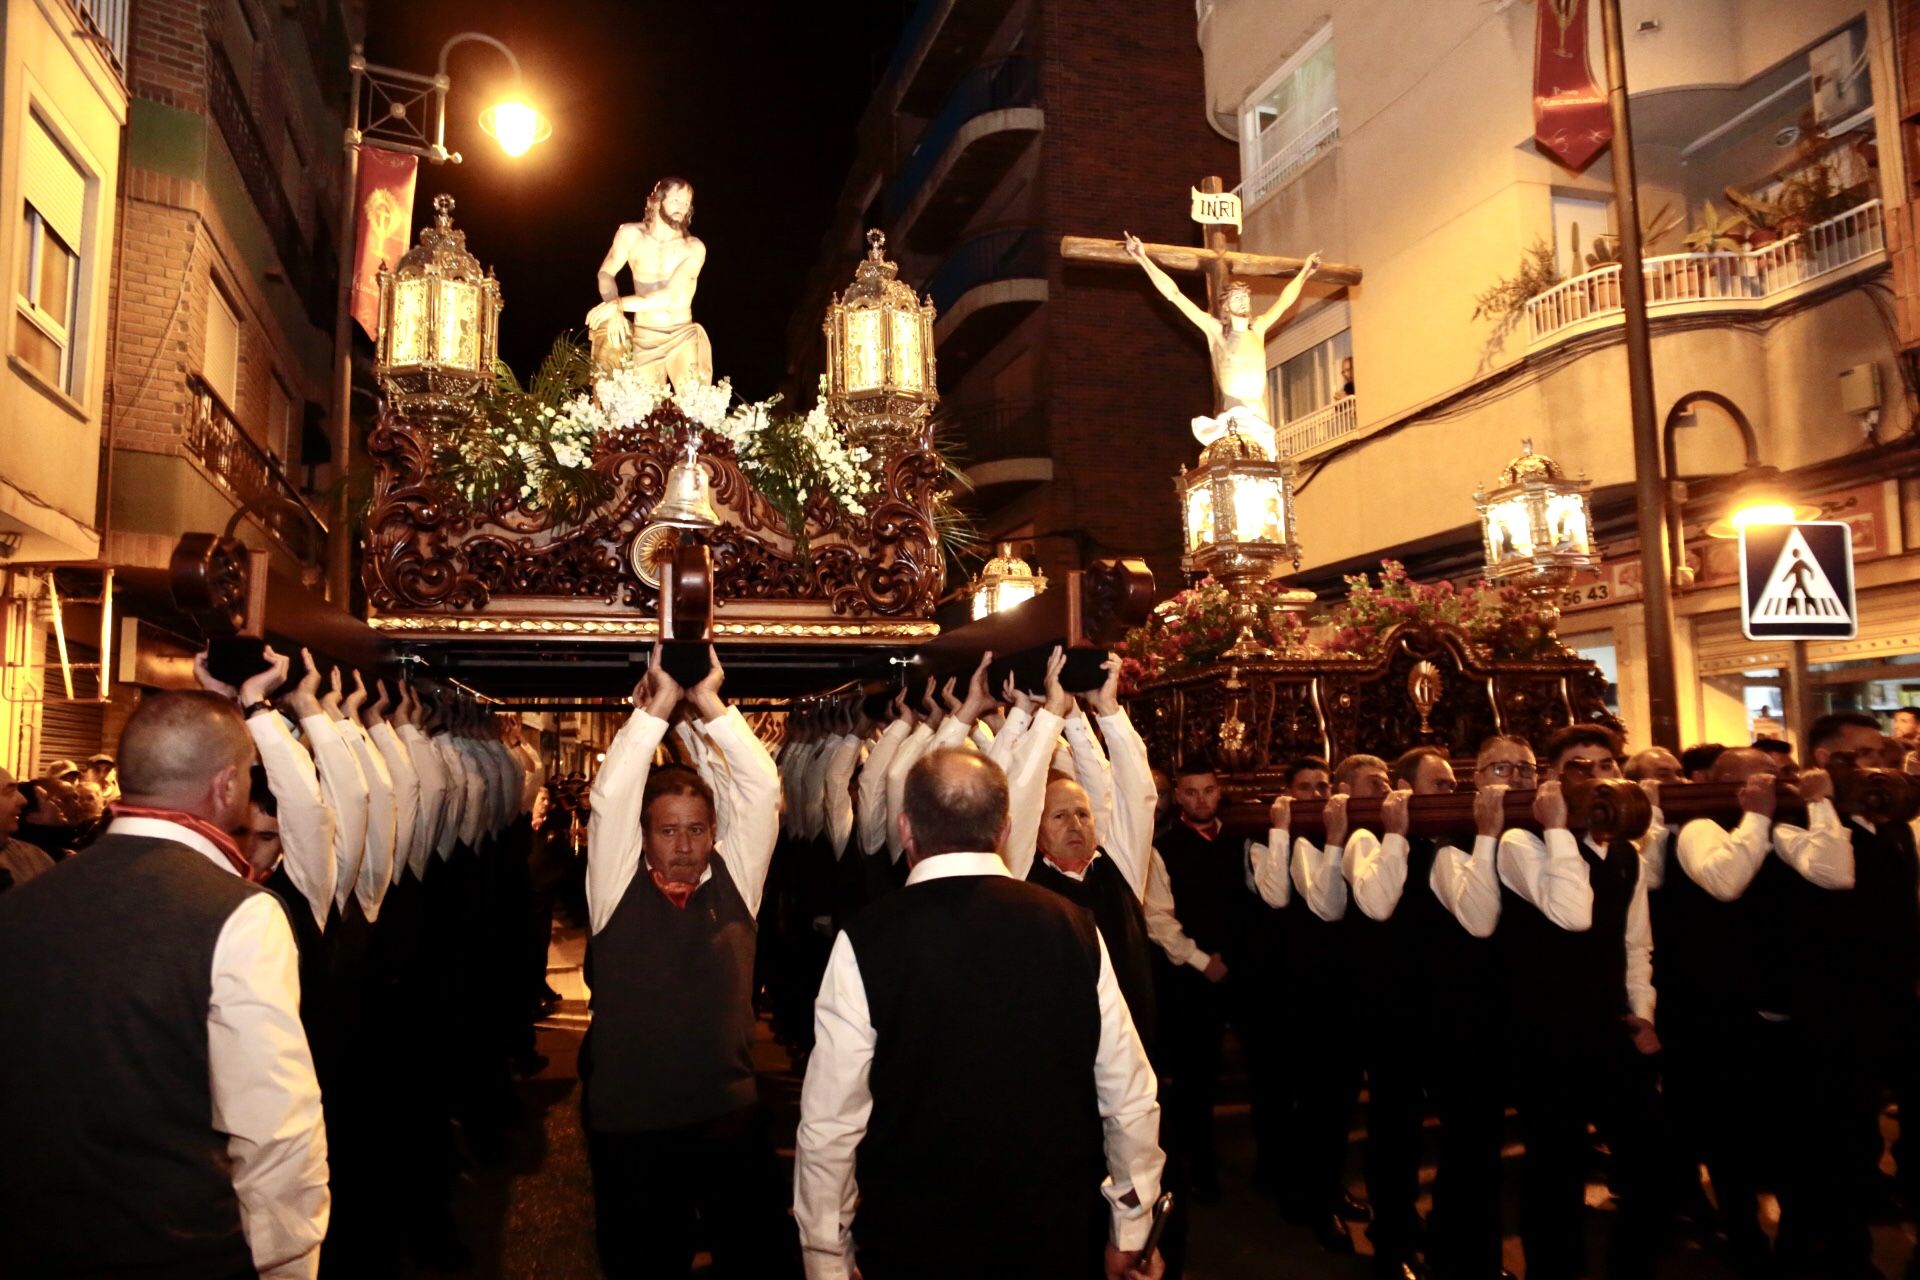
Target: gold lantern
[
  {"x": 880, "y": 375},
  {"x": 1005, "y": 581},
  {"x": 1236, "y": 510},
  {"x": 439, "y": 323},
  {"x": 1537, "y": 526}
]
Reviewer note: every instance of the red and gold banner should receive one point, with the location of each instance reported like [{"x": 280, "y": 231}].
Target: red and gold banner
[
  {"x": 1570, "y": 119},
  {"x": 384, "y": 201}
]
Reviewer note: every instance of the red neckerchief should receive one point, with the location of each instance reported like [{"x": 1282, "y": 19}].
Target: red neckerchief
[
  {"x": 675, "y": 892},
  {"x": 1211, "y": 831},
  {"x": 221, "y": 840}
]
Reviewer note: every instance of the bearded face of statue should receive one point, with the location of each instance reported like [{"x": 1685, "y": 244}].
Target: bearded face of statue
[
  {"x": 672, "y": 202},
  {"x": 1239, "y": 305}
]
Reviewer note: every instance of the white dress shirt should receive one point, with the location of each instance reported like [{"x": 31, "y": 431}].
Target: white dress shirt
[
  {"x": 1270, "y": 873},
  {"x": 383, "y": 820},
  {"x": 836, "y": 801},
  {"x": 744, "y": 782},
  {"x": 265, "y": 1096},
  {"x": 533, "y": 774},
  {"x": 432, "y": 809},
  {"x": 1378, "y": 872},
  {"x": 1027, "y": 789},
  {"x": 897, "y": 770},
  {"x": 344, "y": 784},
  {"x": 306, "y": 823},
  {"x": 1468, "y": 885},
  {"x": 835, "y": 1101},
  {"x": 871, "y": 803},
  {"x": 478, "y": 804},
  {"x": 1541, "y": 873},
  {"x": 1007, "y": 740},
  {"x": 406, "y": 793},
  {"x": 1163, "y": 922},
  {"x": 454, "y": 815},
  {"x": 1725, "y": 862},
  {"x": 1317, "y": 876}
]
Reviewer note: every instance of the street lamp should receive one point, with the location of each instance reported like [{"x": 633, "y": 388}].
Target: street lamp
[
  {"x": 1760, "y": 498},
  {"x": 880, "y": 371},
  {"x": 1005, "y": 581},
  {"x": 390, "y": 108},
  {"x": 1236, "y": 511},
  {"x": 1536, "y": 527}
]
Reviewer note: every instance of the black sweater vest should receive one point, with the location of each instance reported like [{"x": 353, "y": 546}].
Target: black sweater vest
[
  {"x": 109, "y": 1160},
  {"x": 672, "y": 1008},
  {"x": 1123, "y": 924},
  {"x": 983, "y": 1154},
  {"x": 1210, "y": 898},
  {"x": 1564, "y": 981},
  {"x": 1395, "y": 957}
]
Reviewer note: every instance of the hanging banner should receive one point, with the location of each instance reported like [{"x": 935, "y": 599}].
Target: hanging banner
[
  {"x": 1216, "y": 208},
  {"x": 384, "y": 201},
  {"x": 1570, "y": 118}
]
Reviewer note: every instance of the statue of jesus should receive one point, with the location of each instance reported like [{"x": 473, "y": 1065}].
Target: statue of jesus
[
  {"x": 655, "y": 321},
  {"x": 1237, "y": 340}
]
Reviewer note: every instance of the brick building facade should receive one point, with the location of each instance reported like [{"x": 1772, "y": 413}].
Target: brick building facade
[{"x": 1067, "y": 389}]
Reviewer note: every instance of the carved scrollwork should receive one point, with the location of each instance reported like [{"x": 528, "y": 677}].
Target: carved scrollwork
[{"x": 428, "y": 549}]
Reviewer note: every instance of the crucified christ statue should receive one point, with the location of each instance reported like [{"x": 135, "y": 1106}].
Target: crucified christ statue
[{"x": 1237, "y": 340}]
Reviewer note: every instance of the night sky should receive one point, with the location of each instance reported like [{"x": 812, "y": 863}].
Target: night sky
[{"x": 754, "y": 102}]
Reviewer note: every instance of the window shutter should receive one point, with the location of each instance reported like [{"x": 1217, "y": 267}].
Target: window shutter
[
  {"x": 53, "y": 184},
  {"x": 1307, "y": 330}
]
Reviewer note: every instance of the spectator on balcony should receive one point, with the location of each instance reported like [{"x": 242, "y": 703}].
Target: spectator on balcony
[{"x": 1346, "y": 377}]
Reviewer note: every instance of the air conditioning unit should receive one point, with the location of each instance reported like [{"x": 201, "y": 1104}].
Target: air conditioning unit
[{"x": 1841, "y": 85}]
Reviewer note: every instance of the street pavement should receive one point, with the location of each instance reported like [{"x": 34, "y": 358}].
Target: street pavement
[{"x": 529, "y": 1216}]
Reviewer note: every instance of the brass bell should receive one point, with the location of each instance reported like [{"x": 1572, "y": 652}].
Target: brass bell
[{"x": 686, "y": 501}]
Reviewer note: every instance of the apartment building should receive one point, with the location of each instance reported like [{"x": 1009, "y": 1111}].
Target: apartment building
[
  {"x": 1066, "y": 392},
  {"x": 1400, "y": 137}
]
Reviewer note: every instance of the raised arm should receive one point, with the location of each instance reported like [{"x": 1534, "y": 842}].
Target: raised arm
[
  {"x": 306, "y": 824},
  {"x": 872, "y": 803},
  {"x": 1380, "y": 865},
  {"x": 1027, "y": 778},
  {"x": 1468, "y": 885},
  {"x": 406, "y": 780},
  {"x": 1168, "y": 289},
  {"x": 1822, "y": 852},
  {"x": 1548, "y": 873},
  {"x": 613, "y": 821},
  {"x": 750, "y": 782},
  {"x": 1288, "y": 296},
  {"x": 1130, "y": 834}
]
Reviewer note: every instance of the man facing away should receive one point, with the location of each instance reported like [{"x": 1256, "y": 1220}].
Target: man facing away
[
  {"x": 677, "y": 861},
  {"x": 159, "y": 1114},
  {"x": 976, "y": 1067}
]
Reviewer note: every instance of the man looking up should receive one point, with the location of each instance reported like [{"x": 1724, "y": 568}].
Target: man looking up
[
  {"x": 974, "y": 1055},
  {"x": 676, "y": 863},
  {"x": 159, "y": 1104}
]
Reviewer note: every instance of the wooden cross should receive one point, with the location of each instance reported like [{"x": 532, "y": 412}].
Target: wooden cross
[{"x": 1218, "y": 259}]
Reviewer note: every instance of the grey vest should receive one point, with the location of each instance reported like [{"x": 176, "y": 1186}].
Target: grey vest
[
  {"x": 672, "y": 1008},
  {"x": 109, "y": 1161}
]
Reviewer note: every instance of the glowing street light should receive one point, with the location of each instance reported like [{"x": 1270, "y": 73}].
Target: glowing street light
[
  {"x": 1761, "y": 499},
  {"x": 516, "y": 126}
]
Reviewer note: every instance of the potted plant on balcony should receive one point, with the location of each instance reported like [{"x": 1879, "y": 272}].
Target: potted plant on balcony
[
  {"x": 1506, "y": 302},
  {"x": 1715, "y": 234},
  {"x": 1604, "y": 291}
]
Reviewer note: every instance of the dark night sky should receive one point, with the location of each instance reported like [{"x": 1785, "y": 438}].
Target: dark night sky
[{"x": 754, "y": 101}]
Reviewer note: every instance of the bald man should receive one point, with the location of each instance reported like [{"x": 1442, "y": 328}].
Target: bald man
[
  {"x": 973, "y": 1049},
  {"x": 158, "y": 1100}
]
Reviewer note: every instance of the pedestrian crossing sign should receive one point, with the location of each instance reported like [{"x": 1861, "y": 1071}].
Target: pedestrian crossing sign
[{"x": 1796, "y": 581}]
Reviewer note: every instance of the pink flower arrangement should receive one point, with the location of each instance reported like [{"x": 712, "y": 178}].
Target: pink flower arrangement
[
  {"x": 1192, "y": 629},
  {"x": 1501, "y": 620}
]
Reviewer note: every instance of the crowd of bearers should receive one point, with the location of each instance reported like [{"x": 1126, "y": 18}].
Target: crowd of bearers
[{"x": 358, "y": 1011}]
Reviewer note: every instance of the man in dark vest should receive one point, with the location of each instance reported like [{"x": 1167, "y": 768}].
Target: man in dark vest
[
  {"x": 676, "y": 863},
  {"x": 1577, "y": 941},
  {"x": 1739, "y": 971},
  {"x": 159, "y": 1114},
  {"x": 975, "y": 1062}
]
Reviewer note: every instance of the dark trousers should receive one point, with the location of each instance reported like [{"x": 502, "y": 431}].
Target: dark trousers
[
  {"x": 1396, "y": 1111},
  {"x": 1824, "y": 1097},
  {"x": 1571, "y": 1076},
  {"x": 1193, "y": 1018},
  {"x": 1322, "y": 1084},
  {"x": 1464, "y": 1229},
  {"x": 1720, "y": 1076},
  {"x": 659, "y": 1196}
]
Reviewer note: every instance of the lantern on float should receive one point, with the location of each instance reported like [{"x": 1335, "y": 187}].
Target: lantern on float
[
  {"x": 1236, "y": 512},
  {"x": 1536, "y": 527},
  {"x": 439, "y": 323},
  {"x": 880, "y": 372},
  {"x": 1005, "y": 581}
]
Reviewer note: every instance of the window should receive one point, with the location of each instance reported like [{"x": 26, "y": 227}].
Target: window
[
  {"x": 1310, "y": 381},
  {"x": 237, "y": 38},
  {"x": 1292, "y": 118},
  {"x": 220, "y": 363},
  {"x": 1577, "y": 222},
  {"x": 279, "y": 432},
  {"x": 47, "y": 288}
]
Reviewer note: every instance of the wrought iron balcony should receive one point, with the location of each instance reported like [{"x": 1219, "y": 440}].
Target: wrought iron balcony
[
  {"x": 966, "y": 150},
  {"x": 1000, "y": 442},
  {"x": 248, "y": 473},
  {"x": 985, "y": 288},
  {"x": 941, "y": 39},
  {"x": 107, "y": 20}
]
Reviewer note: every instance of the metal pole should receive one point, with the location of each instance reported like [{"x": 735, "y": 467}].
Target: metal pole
[
  {"x": 1663, "y": 700},
  {"x": 1798, "y": 700},
  {"x": 339, "y": 546}
]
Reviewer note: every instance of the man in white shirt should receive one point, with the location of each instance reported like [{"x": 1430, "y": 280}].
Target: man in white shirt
[
  {"x": 974, "y": 1053},
  {"x": 676, "y": 865},
  {"x": 158, "y": 1104}
]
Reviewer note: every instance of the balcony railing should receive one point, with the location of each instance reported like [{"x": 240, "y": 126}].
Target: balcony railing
[
  {"x": 995, "y": 430},
  {"x": 108, "y": 20},
  {"x": 998, "y": 255},
  {"x": 1684, "y": 281},
  {"x": 248, "y": 473},
  {"x": 1279, "y": 169},
  {"x": 1321, "y": 427},
  {"x": 1012, "y": 82}
]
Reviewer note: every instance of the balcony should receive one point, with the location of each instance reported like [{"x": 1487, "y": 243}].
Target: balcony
[
  {"x": 985, "y": 288},
  {"x": 107, "y": 20},
  {"x": 981, "y": 131},
  {"x": 1751, "y": 279},
  {"x": 1289, "y": 161},
  {"x": 249, "y": 474},
  {"x": 1320, "y": 428},
  {"x": 1002, "y": 442},
  {"x": 942, "y": 39}
]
